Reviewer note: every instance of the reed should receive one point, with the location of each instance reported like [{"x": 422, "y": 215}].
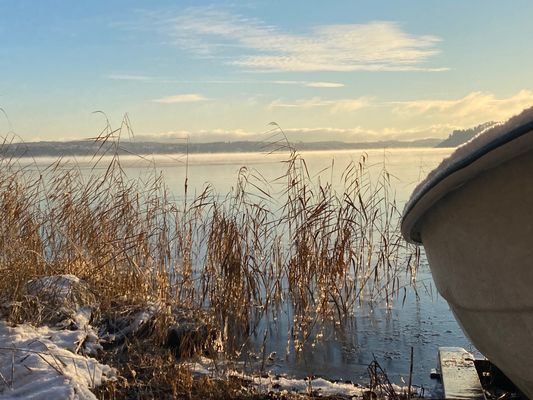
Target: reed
[{"x": 237, "y": 258}]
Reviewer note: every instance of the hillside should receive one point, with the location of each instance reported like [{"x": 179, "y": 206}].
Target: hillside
[{"x": 90, "y": 147}]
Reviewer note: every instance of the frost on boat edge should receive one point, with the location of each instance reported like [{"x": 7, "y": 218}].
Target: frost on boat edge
[{"x": 461, "y": 158}]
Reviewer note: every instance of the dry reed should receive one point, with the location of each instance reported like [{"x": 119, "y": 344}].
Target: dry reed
[{"x": 238, "y": 257}]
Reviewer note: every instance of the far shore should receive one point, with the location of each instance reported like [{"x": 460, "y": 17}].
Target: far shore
[{"x": 125, "y": 147}]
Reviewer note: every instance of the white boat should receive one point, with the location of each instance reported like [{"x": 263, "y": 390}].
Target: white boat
[{"x": 474, "y": 216}]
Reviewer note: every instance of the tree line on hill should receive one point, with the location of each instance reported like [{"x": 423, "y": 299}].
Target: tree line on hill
[{"x": 460, "y": 136}]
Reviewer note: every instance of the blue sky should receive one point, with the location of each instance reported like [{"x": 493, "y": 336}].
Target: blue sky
[{"x": 343, "y": 70}]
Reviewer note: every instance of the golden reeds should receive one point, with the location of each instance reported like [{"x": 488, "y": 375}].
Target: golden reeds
[{"x": 238, "y": 257}]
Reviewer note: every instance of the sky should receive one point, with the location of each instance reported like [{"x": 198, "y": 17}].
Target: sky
[{"x": 222, "y": 71}]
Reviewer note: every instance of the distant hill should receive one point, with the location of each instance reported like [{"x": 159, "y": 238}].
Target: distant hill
[
  {"x": 460, "y": 136},
  {"x": 87, "y": 147}
]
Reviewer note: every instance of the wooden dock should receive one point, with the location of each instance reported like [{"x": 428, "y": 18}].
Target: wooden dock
[{"x": 459, "y": 376}]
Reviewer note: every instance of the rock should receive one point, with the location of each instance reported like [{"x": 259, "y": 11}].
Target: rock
[
  {"x": 190, "y": 334},
  {"x": 185, "y": 332},
  {"x": 128, "y": 322},
  {"x": 369, "y": 395},
  {"x": 187, "y": 338}
]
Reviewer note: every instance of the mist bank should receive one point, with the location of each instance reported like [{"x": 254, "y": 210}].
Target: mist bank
[{"x": 90, "y": 147}]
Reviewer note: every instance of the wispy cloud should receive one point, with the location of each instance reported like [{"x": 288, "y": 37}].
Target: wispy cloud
[
  {"x": 303, "y": 103},
  {"x": 254, "y": 45},
  {"x": 324, "y": 84},
  {"x": 201, "y": 136},
  {"x": 356, "y": 134},
  {"x": 305, "y": 134},
  {"x": 333, "y": 105},
  {"x": 476, "y": 107},
  {"x": 181, "y": 98},
  {"x": 160, "y": 79},
  {"x": 130, "y": 77},
  {"x": 350, "y": 104},
  {"x": 362, "y": 134}
]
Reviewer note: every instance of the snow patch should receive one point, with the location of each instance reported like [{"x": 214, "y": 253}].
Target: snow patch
[
  {"x": 280, "y": 383},
  {"x": 42, "y": 363}
]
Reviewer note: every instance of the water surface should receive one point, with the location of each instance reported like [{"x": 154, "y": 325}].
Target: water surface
[{"x": 421, "y": 320}]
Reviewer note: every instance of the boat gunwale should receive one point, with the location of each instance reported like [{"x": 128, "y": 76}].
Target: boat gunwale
[{"x": 415, "y": 208}]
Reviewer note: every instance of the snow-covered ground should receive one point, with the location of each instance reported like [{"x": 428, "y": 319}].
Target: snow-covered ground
[
  {"x": 55, "y": 361},
  {"x": 278, "y": 383},
  {"x": 46, "y": 363}
]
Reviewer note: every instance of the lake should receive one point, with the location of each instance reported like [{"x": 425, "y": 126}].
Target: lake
[{"x": 422, "y": 320}]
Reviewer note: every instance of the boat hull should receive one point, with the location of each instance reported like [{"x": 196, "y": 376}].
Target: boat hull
[{"x": 478, "y": 239}]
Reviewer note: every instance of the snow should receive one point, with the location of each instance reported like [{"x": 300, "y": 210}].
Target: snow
[
  {"x": 279, "y": 383},
  {"x": 42, "y": 363},
  {"x": 52, "y": 362},
  {"x": 321, "y": 385},
  {"x": 483, "y": 141}
]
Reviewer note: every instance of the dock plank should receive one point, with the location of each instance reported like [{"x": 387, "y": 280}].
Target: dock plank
[{"x": 459, "y": 376}]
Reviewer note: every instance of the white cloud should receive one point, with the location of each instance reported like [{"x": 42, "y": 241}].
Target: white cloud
[
  {"x": 317, "y": 134},
  {"x": 156, "y": 79},
  {"x": 348, "y": 105},
  {"x": 303, "y": 103},
  {"x": 400, "y": 120},
  {"x": 334, "y": 106},
  {"x": 363, "y": 134},
  {"x": 356, "y": 134},
  {"x": 324, "y": 84},
  {"x": 254, "y": 45},
  {"x": 181, "y": 98},
  {"x": 130, "y": 77},
  {"x": 472, "y": 109},
  {"x": 201, "y": 136}
]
